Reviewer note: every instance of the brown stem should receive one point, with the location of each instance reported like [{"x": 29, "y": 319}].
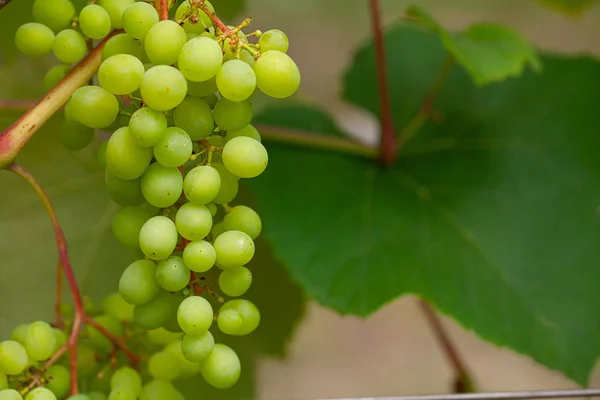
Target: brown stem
[
  {"x": 201, "y": 4},
  {"x": 387, "y": 147},
  {"x": 162, "y": 6},
  {"x": 462, "y": 380},
  {"x": 58, "y": 318},
  {"x": 3, "y": 3},
  {"x": 116, "y": 341}
]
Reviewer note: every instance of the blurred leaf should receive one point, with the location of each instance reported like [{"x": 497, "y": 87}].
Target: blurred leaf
[
  {"x": 570, "y": 7},
  {"x": 489, "y": 52},
  {"x": 491, "y": 214},
  {"x": 228, "y": 10},
  {"x": 306, "y": 118}
]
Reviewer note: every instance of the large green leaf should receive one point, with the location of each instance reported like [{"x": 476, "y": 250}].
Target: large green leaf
[{"x": 491, "y": 214}]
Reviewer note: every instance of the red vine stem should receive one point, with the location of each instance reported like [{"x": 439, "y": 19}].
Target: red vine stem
[
  {"x": 201, "y": 4},
  {"x": 387, "y": 147},
  {"x": 162, "y": 6},
  {"x": 58, "y": 319},
  {"x": 117, "y": 342}
]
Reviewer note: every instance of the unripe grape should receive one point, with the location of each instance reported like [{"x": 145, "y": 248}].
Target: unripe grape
[
  {"x": 222, "y": 367},
  {"x": 60, "y": 380},
  {"x": 40, "y": 341},
  {"x": 163, "y": 87},
  {"x": 124, "y": 157},
  {"x": 40, "y": 393},
  {"x": 277, "y": 75},
  {"x": 195, "y": 315},
  {"x": 202, "y": 184},
  {"x": 199, "y": 256},
  {"x": 162, "y": 186},
  {"x": 115, "y": 306},
  {"x": 236, "y": 80},
  {"x": 10, "y": 394},
  {"x": 230, "y": 115},
  {"x": 138, "y": 18},
  {"x": 54, "y": 75},
  {"x": 172, "y": 274},
  {"x": 147, "y": 126},
  {"x": 230, "y": 321},
  {"x": 127, "y": 377},
  {"x": 94, "y": 21},
  {"x": 115, "y": 9},
  {"x": 164, "y": 42},
  {"x": 123, "y": 44},
  {"x": 245, "y": 157},
  {"x": 193, "y": 221},
  {"x": 235, "y": 282},
  {"x": 121, "y": 74},
  {"x": 158, "y": 237},
  {"x": 13, "y": 357},
  {"x": 93, "y": 106},
  {"x": 56, "y": 14},
  {"x": 200, "y": 59},
  {"x": 69, "y": 46},
  {"x": 274, "y": 39},
  {"x": 249, "y": 313},
  {"x": 138, "y": 283},
  {"x": 234, "y": 249},
  {"x": 197, "y": 348},
  {"x": 34, "y": 39},
  {"x": 245, "y": 219}
]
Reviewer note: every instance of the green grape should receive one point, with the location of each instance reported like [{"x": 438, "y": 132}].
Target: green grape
[
  {"x": 164, "y": 42},
  {"x": 163, "y": 87},
  {"x": 94, "y": 21},
  {"x": 56, "y": 14},
  {"x": 55, "y": 75},
  {"x": 248, "y": 131},
  {"x": 59, "y": 380},
  {"x": 121, "y": 393},
  {"x": 249, "y": 312},
  {"x": 123, "y": 44},
  {"x": 212, "y": 207},
  {"x": 69, "y": 46},
  {"x": 193, "y": 221},
  {"x": 124, "y": 193},
  {"x": 195, "y": 315},
  {"x": 60, "y": 338},
  {"x": 124, "y": 157},
  {"x": 234, "y": 249},
  {"x": 10, "y": 394},
  {"x": 202, "y": 89},
  {"x": 75, "y": 136},
  {"x": 40, "y": 341},
  {"x": 81, "y": 397},
  {"x": 236, "y": 80},
  {"x": 174, "y": 148},
  {"x": 19, "y": 333},
  {"x": 94, "y": 107},
  {"x": 121, "y": 74},
  {"x": 215, "y": 140},
  {"x": 277, "y": 75},
  {"x": 211, "y": 100},
  {"x": 127, "y": 223},
  {"x": 162, "y": 186},
  {"x": 245, "y": 157},
  {"x": 245, "y": 219},
  {"x": 138, "y": 283},
  {"x": 235, "y": 282},
  {"x": 127, "y": 377},
  {"x": 230, "y": 115},
  {"x": 202, "y": 184},
  {"x": 229, "y": 186},
  {"x": 147, "y": 125},
  {"x": 184, "y": 11},
  {"x": 230, "y": 321},
  {"x": 248, "y": 58},
  {"x": 222, "y": 367},
  {"x": 274, "y": 39},
  {"x": 200, "y": 59},
  {"x": 197, "y": 348},
  {"x": 97, "y": 339},
  {"x": 138, "y": 18},
  {"x": 115, "y": 9},
  {"x": 158, "y": 390},
  {"x": 195, "y": 117},
  {"x": 187, "y": 368},
  {"x": 158, "y": 312},
  {"x": 115, "y": 306},
  {"x": 164, "y": 366},
  {"x": 199, "y": 256},
  {"x": 40, "y": 393},
  {"x": 3, "y": 381},
  {"x": 86, "y": 360},
  {"x": 158, "y": 237},
  {"x": 229, "y": 52},
  {"x": 34, "y": 39},
  {"x": 163, "y": 337},
  {"x": 172, "y": 274},
  {"x": 95, "y": 396}
]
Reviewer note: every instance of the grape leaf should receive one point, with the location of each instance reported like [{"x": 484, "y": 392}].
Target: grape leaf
[
  {"x": 489, "y": 52},
  {"x": 570, "y": 7},
  {"x": 490, "y": 214}
]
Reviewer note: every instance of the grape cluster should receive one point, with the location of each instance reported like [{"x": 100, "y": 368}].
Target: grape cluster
[{"x": 177, "y": 97}]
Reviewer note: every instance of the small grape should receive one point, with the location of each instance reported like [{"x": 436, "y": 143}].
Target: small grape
[
  {"x": 230, "y": 115},
  {"x": 138, "y": 18},
  {"x": 174, "y": 148},
  {"x": 123, "y": 44},
  {"x": 245, "y": 157},
  {"x": 211, "y": 100},
  {"x": 94, "y": 107},
  {"x": 248, "y": 131},
  {"x": 229, "y": 185},
  {"x": 60, "y": 380},
  {"x": 163, "y": 87},
  {"x": 172, "y": 274},
  {"x": 34, "y": 39},
  {"x": 69, "y": 46},
  {"x": 195, "y": 315},
  {"x": 249, "y": 313},
  {"x": 40, "y": 341},
  {"x": 164, "y": 42},
  {"x": 197, "y": 348},
  {"x": 124, "y": 193},
  {"x": 248, "y": 58},
  {"x": 193, "y": 221},
  {"x": 10, "y": 394},
  {"x": 19, "y": 332},
  {"x": 195, "y": 117},
  {"x": 127, "y": 377},
  {"x": 147, "y": 125},
  {"x": 202, "y": 89},
  {"x": 158, "y": 237},
  {"x": 97, "y": 339},
  {"x": 94, "y": 21},
  {"x": 127, "y": 223},
  {"x": 3, "y": 381},
  {"x": 245, "y": 219},
  {"x": 138, "y": 283},
  {"x": 277, "y": 75},
  {"x": 115, "y": 9},
  {"x": 274, "y": 39},
  {"x": 55, "y": 75},
  {"x": 212, "y": 207},
  {"x": 236, "y": 80},
  {"x": 158, "y": 390},
  {"x": 40, "y": 393},
  {"x": 157, "y": 312},
  {"x": 202, "y": 184},
  {"x": 124, "y": 157},
  {"x": 200, "y": 59},
  {"x": 121, "y": 393},
  {"x": 56, "y": 14},
  {"x": 115, "y": 306},
  {"x": 162, "y": 186},
  {"x": 75, "y": 136},
  {"x": 86, "y": 359},
  {"x": 222, "y": 367},
  {"x": 161, "y": 336},
  {"x": 164, "y": 366},
  {"x": 61, "y": 338},
  {"x": 229, "y": 52},
  {"x": 230, "y": 321},
  {"x": 13, "y": 357},
  {"x": 235, "y": 282},
  {"x": 184, "y": 11},
  {"x": 234, "y": 249},
  {"x": 186, "y": 367},
  {"x": 121, "y": 74},
  {"x": 199, "y": 256}
]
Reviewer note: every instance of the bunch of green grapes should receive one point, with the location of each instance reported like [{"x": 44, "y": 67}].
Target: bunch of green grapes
[{"x": 176, "y": 96}]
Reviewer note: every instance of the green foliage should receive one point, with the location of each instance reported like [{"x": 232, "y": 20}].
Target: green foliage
[
  {"x": 489, "y": 52},
  {"x": 230, "y": 9},
  {"x": 491, "y": 213},
  {"x": 571, "y": 7}
]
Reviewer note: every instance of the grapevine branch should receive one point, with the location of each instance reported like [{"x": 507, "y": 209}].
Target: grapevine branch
[
  {"x": 387, "y": 147},
  {"x": 162, "y": 6}
]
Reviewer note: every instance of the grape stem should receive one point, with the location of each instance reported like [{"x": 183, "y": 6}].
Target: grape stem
[
  {"x": 162, "y": 6},
  {"x": 4, "y": 3},
  {"x": 462, "y": 379},
  {"x": 64, "y": 267},
  {"x": 14, "y": 138},
  {"x": 201, "y": 4},
  {"x": 387, "y": 146}
]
